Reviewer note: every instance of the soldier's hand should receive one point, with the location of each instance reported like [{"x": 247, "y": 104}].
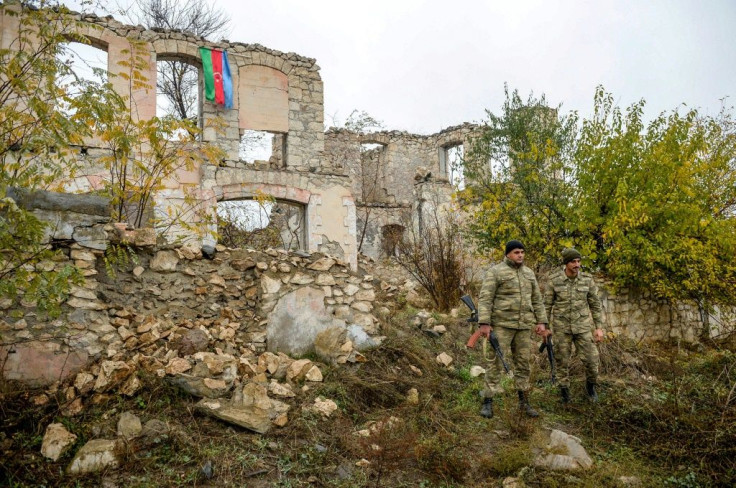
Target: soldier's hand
[
  {"x": 485, "y": 330},
  {"x": 598, "y": 335},
  {"x": 540, "y": 330}
]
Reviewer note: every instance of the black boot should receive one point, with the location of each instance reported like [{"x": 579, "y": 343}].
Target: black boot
[
  {"x": 590, "y": 389},
  {"x": 524, "y": 405},
  {"x": 565, "y": 393},
  {"x": 487, "y": 409}
]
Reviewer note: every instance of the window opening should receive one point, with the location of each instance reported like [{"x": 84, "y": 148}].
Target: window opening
[
  {"x": 453, "y": 167},
  {"x": 261, "y": 223},
  {"x": 82, "y": 64},
  {"x": 263, "y": 147}
]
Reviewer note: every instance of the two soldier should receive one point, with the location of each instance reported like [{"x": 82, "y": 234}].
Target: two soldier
[{"x": 511, "y": 303}]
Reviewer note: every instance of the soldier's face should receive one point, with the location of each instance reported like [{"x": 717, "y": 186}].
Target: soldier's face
[
  {"x": 573, "y": 267},
  {"x": 517, "y": 256}
]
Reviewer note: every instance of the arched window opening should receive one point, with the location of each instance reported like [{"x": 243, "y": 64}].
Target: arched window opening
[
  {"x": 451, "y": 167},
  {"x": 261, "y": 223},
  {"x": 79, "y": 66},
  {"x": 178, "y": 90}
]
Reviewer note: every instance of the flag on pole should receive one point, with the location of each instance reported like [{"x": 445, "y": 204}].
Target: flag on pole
[{"x": 218, "y": 84}]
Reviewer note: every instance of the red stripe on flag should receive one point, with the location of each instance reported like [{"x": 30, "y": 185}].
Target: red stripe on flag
[{"x": 217, "y": 72}]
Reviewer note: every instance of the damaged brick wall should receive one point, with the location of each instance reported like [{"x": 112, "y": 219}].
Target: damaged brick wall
[
  {"x": 384, "y": 169},
  {"x": 275, "y": 92}
]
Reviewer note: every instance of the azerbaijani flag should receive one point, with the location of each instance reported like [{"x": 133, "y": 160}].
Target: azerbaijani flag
[{"x": 218, "y": 84}]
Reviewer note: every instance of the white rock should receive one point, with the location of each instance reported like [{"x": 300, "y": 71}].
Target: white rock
[
  {"x": 476, "y": 371},
  {"x": 281, "y": 389},
  {"x": 444, "y": 359},
  {"x": 96, "y": 455},
  {"x": 314, "y": 374},
  {"x": 129, "y": 425},
  {"x": 56, "y": 441}
]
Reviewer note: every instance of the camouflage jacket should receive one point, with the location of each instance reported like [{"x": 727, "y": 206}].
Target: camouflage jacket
[
  {"x": 510, "y": 297},
  {"x": 570, "y": 302}
]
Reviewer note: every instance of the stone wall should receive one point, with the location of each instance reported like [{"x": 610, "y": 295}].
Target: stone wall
[
  {"x": 384, "y": 168},
  {"x": 644, "y": 318},
  {"x": 245, "y": 301}
]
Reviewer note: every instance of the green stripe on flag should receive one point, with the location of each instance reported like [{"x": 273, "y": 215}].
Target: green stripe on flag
[{"x": 209, "y": 76}]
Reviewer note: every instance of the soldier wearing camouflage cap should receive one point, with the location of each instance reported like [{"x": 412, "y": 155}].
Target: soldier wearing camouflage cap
[
  {"x": 574, "y": 308},
  {"x": 510, "y": 304}
]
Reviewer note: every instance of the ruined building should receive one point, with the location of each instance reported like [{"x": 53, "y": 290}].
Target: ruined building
[{"x": 351, "y": 189}]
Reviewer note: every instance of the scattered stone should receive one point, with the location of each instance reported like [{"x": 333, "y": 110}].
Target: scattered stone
[
  {"x": 415, "y": 370},
  {"x": 281, "y": 389},
  {"x": 250, "y": 408},
  {"x": 363, "y": 463},
  {"x": 177, "y": 366},
  {"x": 201, "y": 387},
  {"x": 476, "y": 371},
  {"x": 74, "y": 408},
  {"x": 444, "y": 359},
  {"x": 84, "y": 382},
  {"x": 314, "y": 374},
  {"x": 575, "y": 457},
  {"x": 131, "y": 386},
  {"x": 56, "y": 441},
  {"x": 440, "y": 329},
  {"x": 412, "y": 397},
  {"x": 298, "y": 369},
  {"x": 112, "y": 373},
  {"x": 96, "y": 455},
  {"x": 138, "y": 270},
  {"x": 129, "y": 426},
  {"x": 324, "y": 407}
]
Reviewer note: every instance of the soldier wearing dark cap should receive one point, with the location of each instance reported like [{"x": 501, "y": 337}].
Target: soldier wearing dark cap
[
  {"x": 510, "y": 304},
  {"x": 574, "y": 308}
]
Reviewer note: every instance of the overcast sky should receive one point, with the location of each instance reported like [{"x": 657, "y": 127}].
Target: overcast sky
[{"x": 423, "y": 65}]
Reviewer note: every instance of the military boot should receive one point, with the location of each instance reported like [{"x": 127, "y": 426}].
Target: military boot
[
  {"x": 524, "y": 404},
  {"x": 487, "y": 409},
  {"x": 565, "y": 393},
  {"x": 590, "y": 389}
]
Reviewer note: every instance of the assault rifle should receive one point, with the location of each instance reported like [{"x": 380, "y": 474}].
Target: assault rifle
[
  {"x": 547, "y": 344},
  {"x": 477, "y": 334}
]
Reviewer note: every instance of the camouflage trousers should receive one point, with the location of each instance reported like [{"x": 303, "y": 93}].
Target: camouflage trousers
[
  {"x": 516, "y": 348},
  {"x": 585, "y": 348}
]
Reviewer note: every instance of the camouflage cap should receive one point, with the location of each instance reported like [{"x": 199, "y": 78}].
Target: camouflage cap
[{"x": 569, "y": 254}]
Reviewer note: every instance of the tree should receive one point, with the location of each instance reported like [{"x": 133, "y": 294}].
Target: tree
[
  {"x": 432, "y": 250},
  {"x": 178, "y": 80},
  {"x": 34, "y": 139},
  {"x": 653, "y": 206},
  {"x": 657, "y": 202},
  {"x": 519, "y": 177},
  {"x": 40, "y": 120}
]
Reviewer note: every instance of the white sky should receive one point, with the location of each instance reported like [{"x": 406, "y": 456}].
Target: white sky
[{"x": 423, "y": 65}]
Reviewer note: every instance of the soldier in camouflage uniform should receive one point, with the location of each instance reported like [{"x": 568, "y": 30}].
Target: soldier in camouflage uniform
[
  {"x": 570, "y": 300},
  {"x": 510, "y": 304}
]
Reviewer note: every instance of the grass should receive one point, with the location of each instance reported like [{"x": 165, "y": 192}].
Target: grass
[{"x": 666, "y": 416}]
